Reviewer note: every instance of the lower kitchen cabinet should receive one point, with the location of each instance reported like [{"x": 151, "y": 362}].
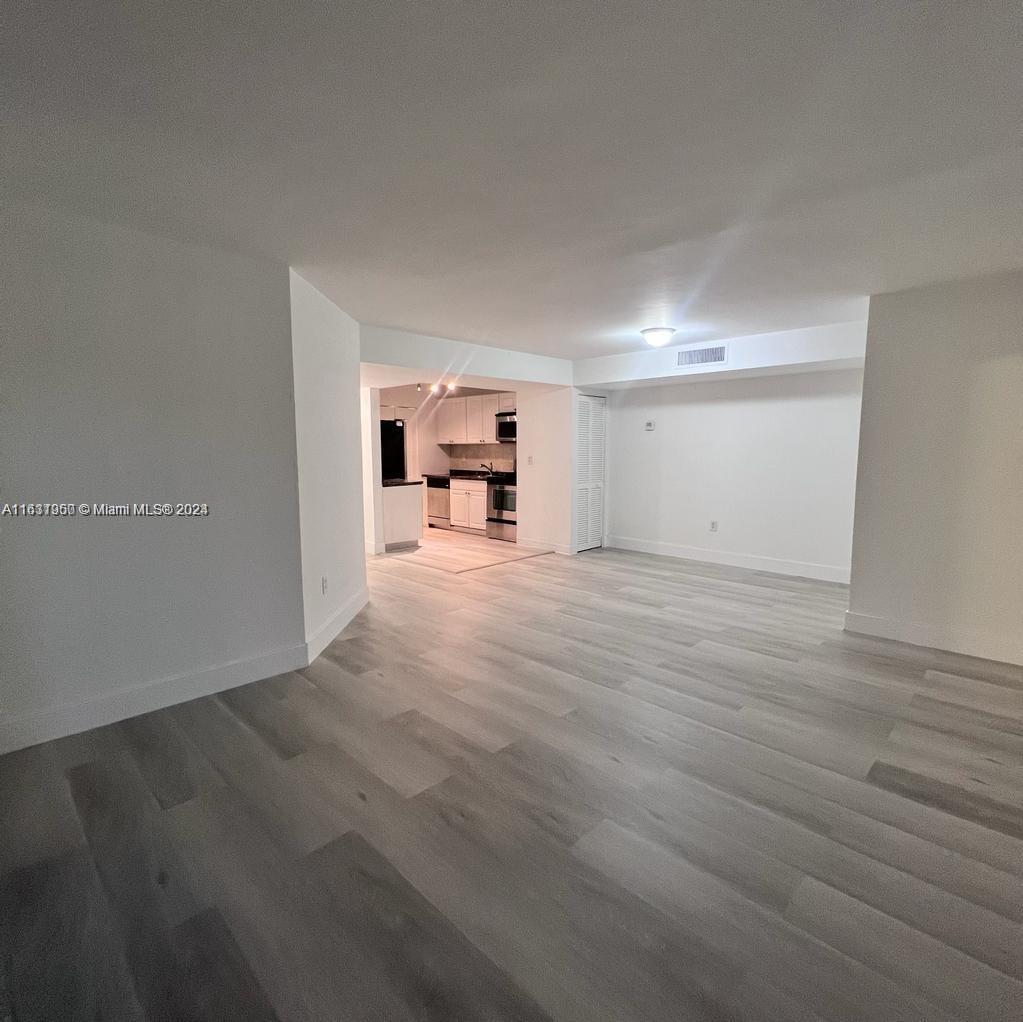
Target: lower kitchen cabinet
[
  {"x": 468, "y": 504},
  {"x": 478, "y": 510},
  {"x": 459, "y": 507}
]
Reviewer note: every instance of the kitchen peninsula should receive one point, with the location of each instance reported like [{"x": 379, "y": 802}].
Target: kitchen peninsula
[{"x": 403, "y": 513}]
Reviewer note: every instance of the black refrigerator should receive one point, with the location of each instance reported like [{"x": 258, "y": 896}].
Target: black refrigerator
[{"x": 392, "y": 449}]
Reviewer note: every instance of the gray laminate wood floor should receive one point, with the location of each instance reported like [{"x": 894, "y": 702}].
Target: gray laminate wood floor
[
  {"x": 451, "y": 550},
  {"x": 610, "y": 787}
]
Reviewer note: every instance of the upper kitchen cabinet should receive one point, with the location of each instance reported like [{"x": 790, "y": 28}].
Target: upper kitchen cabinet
[
  {"x": 471, "y": 420},
  {"x": 474, "y": 420},
  {"x": 490, "y": 404},
  {"x": 451, "y": 421}
]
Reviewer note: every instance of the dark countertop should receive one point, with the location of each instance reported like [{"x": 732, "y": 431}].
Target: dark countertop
[
  {"x": 403, "y": 482},
  {"x": 505, "y": 478}
]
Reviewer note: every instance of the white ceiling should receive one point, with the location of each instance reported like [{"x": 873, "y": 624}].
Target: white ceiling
[{"x": 546, "y": 176}]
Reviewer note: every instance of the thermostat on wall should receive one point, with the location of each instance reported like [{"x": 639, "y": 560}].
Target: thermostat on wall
[{"x": 649, "y": 425}]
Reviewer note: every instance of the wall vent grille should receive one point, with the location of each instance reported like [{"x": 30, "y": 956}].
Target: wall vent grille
[{"x": 700, "y": 356}]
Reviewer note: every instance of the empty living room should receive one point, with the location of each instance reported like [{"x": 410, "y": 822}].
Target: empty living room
[{"x": 511, "y": 511}]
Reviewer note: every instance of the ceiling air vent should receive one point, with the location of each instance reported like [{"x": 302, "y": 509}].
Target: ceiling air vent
[{"x": 700, "y": 357}]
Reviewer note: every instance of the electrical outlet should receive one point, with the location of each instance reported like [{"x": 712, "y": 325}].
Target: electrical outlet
[
  {"x": 323, "y": 584},
  {"x": 713, "y": 526},
  {"x": 529, "y": 460}
]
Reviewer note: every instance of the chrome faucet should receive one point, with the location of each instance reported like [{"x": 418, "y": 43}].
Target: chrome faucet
[{"x": 489, "y": 468}]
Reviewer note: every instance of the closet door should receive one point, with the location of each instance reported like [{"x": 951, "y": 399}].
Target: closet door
[{"x": 590, "y": 440}]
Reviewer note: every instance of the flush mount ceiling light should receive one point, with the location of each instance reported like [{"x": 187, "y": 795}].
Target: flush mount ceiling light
[
  {"x": 451, "y": 386},
  {"x": 657, "y": 336},
  {"x": 434, "y": 388}
]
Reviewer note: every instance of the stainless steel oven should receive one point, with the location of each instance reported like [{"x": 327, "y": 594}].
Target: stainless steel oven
[
  {"x": 506, "y": 427},
  {"x": 501, "y": 514}
]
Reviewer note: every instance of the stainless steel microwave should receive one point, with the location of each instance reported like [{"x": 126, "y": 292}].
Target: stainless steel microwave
[{"x": 506, "y": 423}]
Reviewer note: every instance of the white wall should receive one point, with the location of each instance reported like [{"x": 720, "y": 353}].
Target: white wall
[
  {"x": 325, "y": 357},
  {"x": 372, "y": 474},
  {"x": 772, "y": 459},
  {"x": 938, "y": 551},
  {"x": 386, "y": 346},
  {"x": 138, "y": 369},
  {"x": 544, "y": 437}
]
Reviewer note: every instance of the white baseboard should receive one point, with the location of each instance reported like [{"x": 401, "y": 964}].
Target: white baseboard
[
  {"x": 372, "y": 549},
  {"x": 802, "y": 569},
  {"x": 70, "y": 718},
  {"x": 1005, "y": 649},
  {"x": 326, "y": 633},
  {"x": 542, "y": 545}
]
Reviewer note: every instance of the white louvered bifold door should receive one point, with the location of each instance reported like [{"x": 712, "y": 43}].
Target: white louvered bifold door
[{"x": 590, "y": 439}]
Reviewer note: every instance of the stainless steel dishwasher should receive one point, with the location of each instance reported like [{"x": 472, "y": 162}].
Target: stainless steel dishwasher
[{"x": 438, "y": 502}]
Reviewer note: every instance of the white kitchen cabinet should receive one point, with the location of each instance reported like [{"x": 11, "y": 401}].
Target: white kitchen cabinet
[
  {"x": 468, "y": 504},
  {"x": 451, "y": 421},
  {"x": 474, "y": 420},
  {"x": 387, "y": 412},
  {"x": 506, "y": 402},
  {"x": 490, "y": 404},
  {"x": 459, "y": 506},
  {"x": 478, "y": 509},
  {"x": 405, "y": 412}
]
